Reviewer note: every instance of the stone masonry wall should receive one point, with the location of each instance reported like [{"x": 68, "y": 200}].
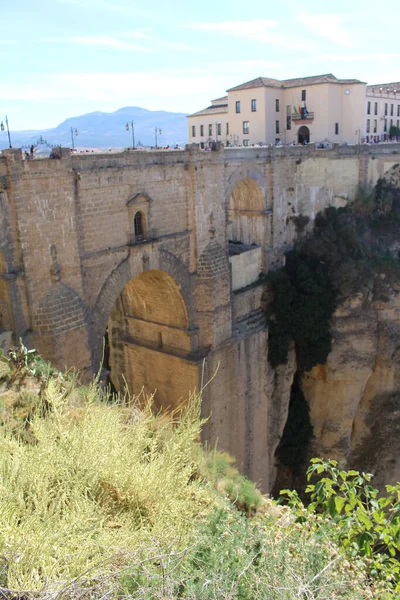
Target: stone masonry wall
[{"x": 66, "y": 232}]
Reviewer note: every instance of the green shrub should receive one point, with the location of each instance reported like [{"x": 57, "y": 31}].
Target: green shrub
[
  {"x": 338, "y": 259},
  {"x": 301, "y": 309},
  {"x": 363, "y": 523}
]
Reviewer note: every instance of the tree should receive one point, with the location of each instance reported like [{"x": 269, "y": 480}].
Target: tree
[{"x": 394, "y": 132}]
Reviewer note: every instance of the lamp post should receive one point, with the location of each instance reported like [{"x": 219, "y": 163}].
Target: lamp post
[
  {"x": 131, "y": 125},
  {"x": 157, "y": 131},
  {"x": 73, "y": 132},
  {"x": 8, "y": 130}
]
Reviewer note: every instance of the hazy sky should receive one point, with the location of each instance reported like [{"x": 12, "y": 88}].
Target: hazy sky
[{"x": 61, "y": 58}]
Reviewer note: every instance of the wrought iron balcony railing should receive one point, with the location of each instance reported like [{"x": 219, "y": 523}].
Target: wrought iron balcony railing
[{"x": 302, "y": 116}]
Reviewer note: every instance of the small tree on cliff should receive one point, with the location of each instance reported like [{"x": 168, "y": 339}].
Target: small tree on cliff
[{"x": 394, "y": 132}]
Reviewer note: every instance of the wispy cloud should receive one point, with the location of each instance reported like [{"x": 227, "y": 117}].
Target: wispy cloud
[
  {"x": 112, "y": 7},
  {"x": 107, "y": 41},
  {"x": 350, "y": 57},
  {"x": 329, "y": 27},
  {"x": 261, "y": 30},
  {"x": 144, "y": 41}
]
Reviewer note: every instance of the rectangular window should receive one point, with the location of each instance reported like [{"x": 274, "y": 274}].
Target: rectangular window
[
  {"x": 386, "y": 109},
  {"x": 193, "y": 130},
  {"x": 288, "y": 117},
  {"x": 210, "y": 129},
  {"x": 398, "y": 110},
  {"x": 277, "y": 105},
  {"x": 219, "y": 129},
  {"x": 253, "y": 105},
  {"x": 397, "y": 123},
  {"x": 368, "y": 108},
  {"x": 246, "y": 127},
  {"x": 376, "y": 108},
  {"x": 276, "y": 126},
  {"x": 375, "y": 125},
  {"x": 227, "y": 129},
  {"x": 245, "y": 142},
  {"x": 391, "y": 123},
  {"x": 202, "y": 130},
  {"x": 385, "y": 126},
  {"x": 336, "y": 128},
  {"x": 368, "y": 125},
  {"x": 238, "y": 106},
  {"x": 303, "y": 95},
  {"x": 391, "y": 110}
]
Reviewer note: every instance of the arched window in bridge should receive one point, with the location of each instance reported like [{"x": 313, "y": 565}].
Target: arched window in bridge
[{"x": 139, "y": 226}]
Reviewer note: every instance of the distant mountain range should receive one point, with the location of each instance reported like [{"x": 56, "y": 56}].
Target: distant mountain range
[{"x": 103, "y": 130}]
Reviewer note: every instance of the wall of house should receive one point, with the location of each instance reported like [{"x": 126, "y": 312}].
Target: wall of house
[{"x": 381, "y": 99}]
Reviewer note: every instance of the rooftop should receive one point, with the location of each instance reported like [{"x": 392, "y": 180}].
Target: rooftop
[
  {"x": 221, "y": 100},
  {"x": 289, "y": 83},
  {"x": 384, "y": 87},
  {"x": 211, "y": 110}
]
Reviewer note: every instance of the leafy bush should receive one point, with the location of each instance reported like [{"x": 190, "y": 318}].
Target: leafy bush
[{"x": 363, "y": 523}]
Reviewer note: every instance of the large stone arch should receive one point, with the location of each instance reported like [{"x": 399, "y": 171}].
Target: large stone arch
[
  {"x": 143, "y": 259},
  {"x": 147, "y": 307}
]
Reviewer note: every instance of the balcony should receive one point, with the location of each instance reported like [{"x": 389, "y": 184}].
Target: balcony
[{"x": 303, "y": 116}]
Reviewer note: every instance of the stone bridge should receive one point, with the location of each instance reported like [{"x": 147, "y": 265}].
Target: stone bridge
[{"x": 162, "y": 255}]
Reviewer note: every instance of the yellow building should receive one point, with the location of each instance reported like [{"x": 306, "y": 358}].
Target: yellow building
[
  {"x": 291, "y": 111},
  {"x": 382, "y": 110}
]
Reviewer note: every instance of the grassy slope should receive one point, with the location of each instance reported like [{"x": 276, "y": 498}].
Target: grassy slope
[{"x": 100, "y": 500}]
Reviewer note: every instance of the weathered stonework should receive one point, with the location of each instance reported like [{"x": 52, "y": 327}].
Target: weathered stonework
[{"x": 73, "y": 264}]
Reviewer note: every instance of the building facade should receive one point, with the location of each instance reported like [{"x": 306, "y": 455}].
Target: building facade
[
  {"x": 382, "y": 110},
  {"x": 291, "y": 111}
]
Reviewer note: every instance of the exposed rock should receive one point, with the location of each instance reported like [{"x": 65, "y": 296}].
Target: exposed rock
[{"x": 354, "y": 399}]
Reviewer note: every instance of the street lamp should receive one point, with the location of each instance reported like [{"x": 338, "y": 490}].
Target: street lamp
[
  {"x": 131, "y": 125},
  {"x": 157, "y": 131},
  {"x": 73, "y": 132},
  {"x": 8, "y": 130}
]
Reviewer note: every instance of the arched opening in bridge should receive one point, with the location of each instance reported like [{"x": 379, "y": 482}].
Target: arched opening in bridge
[
  {"x": 246, "y": 232},
  {"x": 303, "y": 135},
  {"x": 151, "y": 346},
  {"x": 139, "y": 225}
]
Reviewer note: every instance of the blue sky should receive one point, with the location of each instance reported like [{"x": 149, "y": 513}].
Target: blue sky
[{"x": 62, "y": 58}]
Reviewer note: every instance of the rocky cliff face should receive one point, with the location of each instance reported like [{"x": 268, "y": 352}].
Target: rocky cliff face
[{"x": 354, "y": 399}]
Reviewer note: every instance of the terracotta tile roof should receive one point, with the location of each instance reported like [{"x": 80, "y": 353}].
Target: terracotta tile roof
[
  {"x": 222, "y": 100},
  {"x": 289, "y": 83},
  {"x": 211, "y": 110},
  {"x": 256, "y": 83}
]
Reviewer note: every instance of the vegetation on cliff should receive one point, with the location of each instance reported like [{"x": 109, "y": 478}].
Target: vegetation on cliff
[
  {"x": 101, "y": 499},
  {"x": 348, "y": 251}
]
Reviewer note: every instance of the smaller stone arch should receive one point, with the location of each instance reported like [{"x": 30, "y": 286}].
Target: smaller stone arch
[
  {"x": 246, "y": 213},
  {"x": 244, "y": 173}
]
